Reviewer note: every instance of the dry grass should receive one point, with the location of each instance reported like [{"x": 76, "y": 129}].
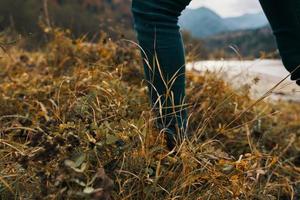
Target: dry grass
[{"x": 75, "y": 124}]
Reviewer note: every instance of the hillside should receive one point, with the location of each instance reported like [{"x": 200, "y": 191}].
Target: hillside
[
  {"x": 83, "y": 17},
  {"x": 75, "y": 124},
  {"x": 247, "y": 21},
  {"x": 203, "y": 22},
  {"x": 249, "y": 43}
]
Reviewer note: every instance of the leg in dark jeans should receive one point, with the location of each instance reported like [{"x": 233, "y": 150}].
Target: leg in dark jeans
[
  {"x": 284, "y": 17},
  {"x": 164, "y": 61}
]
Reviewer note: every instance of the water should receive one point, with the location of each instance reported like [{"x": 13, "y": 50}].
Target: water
[{"x": 268, "y": 72}]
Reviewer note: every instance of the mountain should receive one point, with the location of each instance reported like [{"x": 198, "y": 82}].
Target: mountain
[
  {"x": 247, "y": 21},
  {"x": 248, "y": 43},
  {"x": 204, "y": 22}
]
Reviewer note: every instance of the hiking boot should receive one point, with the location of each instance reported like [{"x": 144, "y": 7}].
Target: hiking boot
[{"x": 174, "y": 136}]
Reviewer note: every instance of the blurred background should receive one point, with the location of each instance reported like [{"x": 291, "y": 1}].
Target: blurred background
[{"x": 211, "y": 28}]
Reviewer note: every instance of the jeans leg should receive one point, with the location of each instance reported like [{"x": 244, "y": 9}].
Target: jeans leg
[
  {"x": 156, "y": 24},
  {"x": 284, "y": 17}
]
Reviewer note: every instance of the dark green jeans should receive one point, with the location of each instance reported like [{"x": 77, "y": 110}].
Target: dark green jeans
[
  {"x": 163, "y": 52},
  {"x": 284, "y": 17},
  {"x": 164, "y": 60}
]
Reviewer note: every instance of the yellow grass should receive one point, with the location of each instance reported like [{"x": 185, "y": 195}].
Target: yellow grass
[{"x": 75, "y": 124}]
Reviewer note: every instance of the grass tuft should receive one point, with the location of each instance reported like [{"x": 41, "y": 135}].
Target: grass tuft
[{"x": 75, "y": 124}]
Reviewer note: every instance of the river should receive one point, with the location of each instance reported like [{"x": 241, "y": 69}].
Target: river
[{"x": 268, "y": 72}]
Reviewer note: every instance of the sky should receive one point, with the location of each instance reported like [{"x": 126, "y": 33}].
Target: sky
[{"x": 229, "y": 8}]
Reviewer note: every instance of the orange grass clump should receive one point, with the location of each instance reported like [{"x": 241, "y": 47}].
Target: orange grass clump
[{"x": 75, "y": 124}]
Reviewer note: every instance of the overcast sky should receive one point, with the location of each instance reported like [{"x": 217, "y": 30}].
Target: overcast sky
[{"x": 228, "y": 8}]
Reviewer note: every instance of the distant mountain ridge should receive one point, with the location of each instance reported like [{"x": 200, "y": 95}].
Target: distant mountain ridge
[
  {"x": 247, "y": 21},
  {"x": 249, "y": 43},
  {"x": 204, "y": 22}
]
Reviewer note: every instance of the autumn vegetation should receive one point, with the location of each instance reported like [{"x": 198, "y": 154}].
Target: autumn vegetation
[{"x": 75, "y": 123}]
